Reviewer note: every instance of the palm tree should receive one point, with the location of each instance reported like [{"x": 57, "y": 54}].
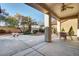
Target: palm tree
[{"x": 3, "y": 15}]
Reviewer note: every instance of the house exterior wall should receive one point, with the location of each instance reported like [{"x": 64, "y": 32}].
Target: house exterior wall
[{"x": 67, "y": 24}]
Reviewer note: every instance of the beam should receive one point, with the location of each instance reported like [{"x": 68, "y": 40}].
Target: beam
[
  {"x": 70, "y": 17},
  {"x": 66, "y": 19}
]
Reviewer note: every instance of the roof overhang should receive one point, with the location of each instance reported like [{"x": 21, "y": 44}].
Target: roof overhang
[{"x": 53, "y": 9}]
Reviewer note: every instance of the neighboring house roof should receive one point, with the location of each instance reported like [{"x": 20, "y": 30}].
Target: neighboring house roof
[{"x": 35, "y": 26}]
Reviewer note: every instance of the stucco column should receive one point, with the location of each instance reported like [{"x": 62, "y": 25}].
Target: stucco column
[
  {"x": 58, "y": 28},
  {"x": 78, "y": 28},
  {"x": 47, "y": 24}
]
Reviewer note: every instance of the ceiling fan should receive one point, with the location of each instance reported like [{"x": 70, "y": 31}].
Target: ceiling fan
[{"x": 65, "y": 7}]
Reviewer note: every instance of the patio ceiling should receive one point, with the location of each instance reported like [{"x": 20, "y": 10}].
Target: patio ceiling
[{"x": 56, "y": 9}]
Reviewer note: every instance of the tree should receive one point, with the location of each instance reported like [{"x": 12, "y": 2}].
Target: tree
[
  {"x": 27, "y": 21},
  {"x": 24, "y": 21},
  {"x": 3, "y": 15},
  {"x": 12, "y": 21},
  {"x": 2, "y": 18},
  {"x": 0, "y": 9}
]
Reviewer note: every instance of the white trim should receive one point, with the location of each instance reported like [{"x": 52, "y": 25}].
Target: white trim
[
  {"x": 77, "y": 32},
  {"x": 58, "y": 26},
  {"x": 46, "y": 20}
]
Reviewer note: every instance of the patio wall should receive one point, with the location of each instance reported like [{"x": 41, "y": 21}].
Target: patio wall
[{"x": 67, "y": 24}]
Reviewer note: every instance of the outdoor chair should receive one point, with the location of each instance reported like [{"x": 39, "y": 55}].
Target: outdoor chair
[{"x": 64, "y": 35}]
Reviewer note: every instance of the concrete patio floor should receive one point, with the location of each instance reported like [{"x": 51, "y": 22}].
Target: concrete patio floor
[{"x": 27, "y": 45}]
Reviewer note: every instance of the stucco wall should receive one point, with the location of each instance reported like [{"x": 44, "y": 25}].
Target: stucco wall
[
  {"x": 67, "y": 24},
  {"x": 54, "y": 27}
]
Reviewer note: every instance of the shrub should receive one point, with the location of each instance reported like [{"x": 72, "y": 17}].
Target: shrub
[
  {"x": 71, "y": 31},
  {"x": 26, "y": 32},
  {"x": 41, "y": 30},
  {"x": 63, "y": 30},
  {"x": 54, "y": 31},
  {"x": 35, "y": 31},
  {"x": 2, "y": 31}
]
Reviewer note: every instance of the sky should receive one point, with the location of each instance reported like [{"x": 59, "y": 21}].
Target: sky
[{"x": 25, "y": 10}]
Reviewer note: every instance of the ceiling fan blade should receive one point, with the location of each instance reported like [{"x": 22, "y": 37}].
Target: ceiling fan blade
[
  {"x": 64, "y": 7},
  {"x": 69, "y": 7}
]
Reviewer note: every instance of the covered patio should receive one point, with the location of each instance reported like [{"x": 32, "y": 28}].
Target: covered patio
[
  {"x": 62, "y": 12},
  {"x": 47, "y": 44}
]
